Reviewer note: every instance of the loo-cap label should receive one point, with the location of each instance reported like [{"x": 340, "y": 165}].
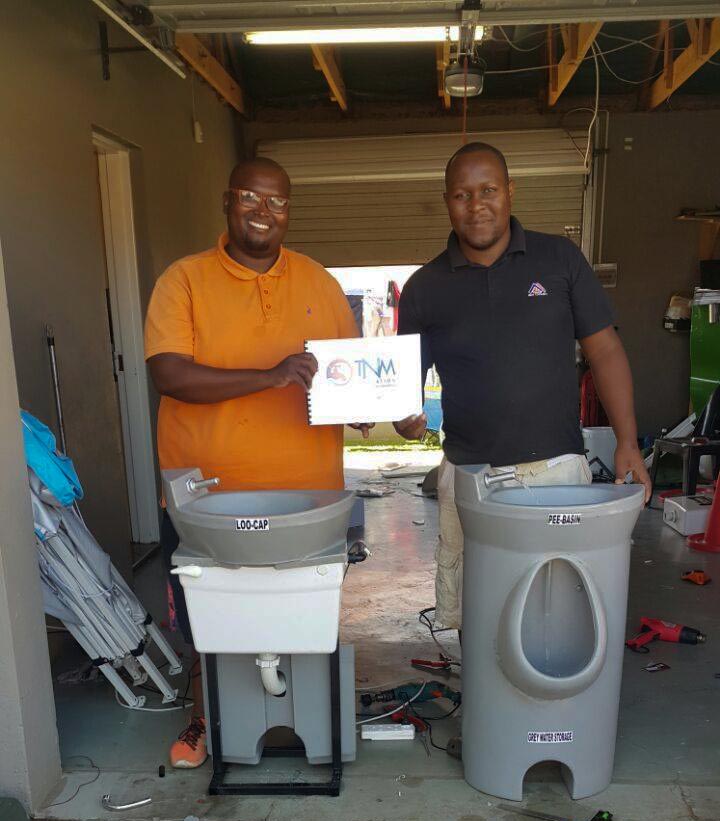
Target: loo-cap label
[
  {"x": 564, "y": 518},
  {"x": 550, "y": 737},
  {"x": 252, "y": 525}
]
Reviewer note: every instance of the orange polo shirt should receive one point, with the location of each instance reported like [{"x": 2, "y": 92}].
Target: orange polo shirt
[{"x": 228, "y": 316}]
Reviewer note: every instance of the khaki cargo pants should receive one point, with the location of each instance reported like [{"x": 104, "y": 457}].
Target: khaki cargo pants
[{"x": 570, "y": 469}]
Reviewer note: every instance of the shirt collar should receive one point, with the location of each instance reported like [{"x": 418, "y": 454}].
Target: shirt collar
[
  {"x": 240, "y": 271},
  {"x": 515, "y": 246}
]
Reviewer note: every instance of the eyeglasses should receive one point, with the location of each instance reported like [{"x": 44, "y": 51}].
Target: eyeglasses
[{"x": 251, "y": 199}]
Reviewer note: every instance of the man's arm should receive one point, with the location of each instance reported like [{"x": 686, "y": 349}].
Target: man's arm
[
  {"x": 613, "y": 381},
  {"x": 180, "y": 377}
]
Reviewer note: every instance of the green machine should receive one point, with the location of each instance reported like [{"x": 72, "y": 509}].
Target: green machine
[{"x": 704, "y": 346}]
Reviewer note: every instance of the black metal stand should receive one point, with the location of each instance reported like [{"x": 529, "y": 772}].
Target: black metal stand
[
  {"x": 691, "y": 450},
  {"x": 218, "y": 784}
]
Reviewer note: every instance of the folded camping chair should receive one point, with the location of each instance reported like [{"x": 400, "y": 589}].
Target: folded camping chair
[{"x": 80, "y": 585}]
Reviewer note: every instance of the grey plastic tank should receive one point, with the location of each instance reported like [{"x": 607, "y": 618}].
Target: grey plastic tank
[
  {"x": 544, "y": 604},
  {"x": 262, "y": 574}
]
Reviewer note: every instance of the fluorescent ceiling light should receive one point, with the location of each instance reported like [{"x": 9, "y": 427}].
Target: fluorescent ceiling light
[{"x": 397, "y": 34}]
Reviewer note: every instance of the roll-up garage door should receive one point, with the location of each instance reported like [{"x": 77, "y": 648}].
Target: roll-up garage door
[{"x": 378, "y": 200}]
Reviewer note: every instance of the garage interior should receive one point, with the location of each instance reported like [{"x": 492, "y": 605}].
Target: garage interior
[{"x": 609, "y": 115}]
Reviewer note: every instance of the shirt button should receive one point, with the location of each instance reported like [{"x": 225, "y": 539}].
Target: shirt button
[
  {"x": 266, "y": 292},
  {"x": 268, "y": 307}
]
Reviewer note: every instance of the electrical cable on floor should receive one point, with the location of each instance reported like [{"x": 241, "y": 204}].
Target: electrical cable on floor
[
  {"x": 388, "y": 685},
  {"x": 395, "y": 710},
  {"x": 425, "y": 621},
  {"x": 428, "y": 724},
  {"x": 85, "y": 784}
]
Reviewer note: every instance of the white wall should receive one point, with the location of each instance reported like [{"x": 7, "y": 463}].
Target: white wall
[{"x": 51, "y": 98}]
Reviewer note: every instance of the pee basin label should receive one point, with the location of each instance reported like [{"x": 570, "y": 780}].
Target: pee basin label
[
  {"x": 252, "y": 524},
  {"x": 550, "y": 737},
  {"x": 564, "y": 518}
]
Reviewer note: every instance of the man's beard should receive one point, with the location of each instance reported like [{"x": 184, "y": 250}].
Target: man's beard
[
  {"x": 256, "y": 244},
  {"x": 483, "y": 245}
]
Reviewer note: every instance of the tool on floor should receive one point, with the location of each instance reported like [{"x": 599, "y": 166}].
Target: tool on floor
[
  {"x": 108, "y": 805},
  {"x": 443, "y": 665},
  {"x": 696, "y": 577},
  {"x": 600, "y": 815},
  {"x": 431, "y": 691},
  {"x": 404, "y": 716},
  {"x": 656, "y": 667},
  {"x": 651, "y": 629}
]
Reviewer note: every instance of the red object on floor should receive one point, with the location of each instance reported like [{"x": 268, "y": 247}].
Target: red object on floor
[
  {"x": 696, "y": 577},
  {"x": 709, "y": 541}
]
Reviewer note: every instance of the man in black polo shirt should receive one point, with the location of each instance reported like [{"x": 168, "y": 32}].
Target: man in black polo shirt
[{"x": 499, "y": 312}]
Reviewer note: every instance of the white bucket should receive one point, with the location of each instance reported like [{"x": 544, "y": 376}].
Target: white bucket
[
  {"x": 264, "y": 610},
  {"x": 600, "y": 443}
]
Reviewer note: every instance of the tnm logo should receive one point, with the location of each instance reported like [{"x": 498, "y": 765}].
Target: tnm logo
[
  {"x": 341, "y": 372},
  {"x": 384, "y": 367}
]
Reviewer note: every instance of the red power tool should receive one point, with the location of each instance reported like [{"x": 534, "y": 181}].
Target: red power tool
[{"x": 651, "y": 629}]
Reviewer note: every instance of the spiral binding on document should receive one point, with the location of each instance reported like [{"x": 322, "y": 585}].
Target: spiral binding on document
[{"x": 308, "y": 395}]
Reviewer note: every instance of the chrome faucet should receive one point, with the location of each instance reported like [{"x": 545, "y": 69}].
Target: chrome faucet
[
  {"x": 505, "y": 476},
  {"x": 193, "y": 485}
]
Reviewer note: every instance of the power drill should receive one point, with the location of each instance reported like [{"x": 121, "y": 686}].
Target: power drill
[
  {"x": 430, "y": 691},
  {"x": 651, "y": 629}
]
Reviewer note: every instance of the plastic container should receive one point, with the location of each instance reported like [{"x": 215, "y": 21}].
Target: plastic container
[
  {"x": 600, "y": 442},
  {"x": 544, "y": 604},
  {"x": 262, "y": 572}
]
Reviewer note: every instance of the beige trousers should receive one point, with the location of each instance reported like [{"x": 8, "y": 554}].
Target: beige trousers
[{"x": 570, "y": 469}]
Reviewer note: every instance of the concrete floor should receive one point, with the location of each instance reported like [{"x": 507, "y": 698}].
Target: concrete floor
[{"x": 667, "y": 765}]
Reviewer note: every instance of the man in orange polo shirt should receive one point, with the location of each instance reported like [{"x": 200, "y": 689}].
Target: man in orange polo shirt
[{"x": 224, "y": 343}]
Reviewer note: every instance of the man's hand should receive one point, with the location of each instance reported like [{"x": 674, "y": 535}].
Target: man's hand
[
  {"x": 412, "y": 427},
  {"x": 299, "y": 368},
  {"x": 628, "y": 459},
  {"x": 363, "y": 427}
]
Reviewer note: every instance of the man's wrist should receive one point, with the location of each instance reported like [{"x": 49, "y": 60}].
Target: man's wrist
[{"x": 270, "y": 378}]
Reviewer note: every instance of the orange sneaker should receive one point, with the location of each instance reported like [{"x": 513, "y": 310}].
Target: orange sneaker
[{"x": 190, "y": 750}]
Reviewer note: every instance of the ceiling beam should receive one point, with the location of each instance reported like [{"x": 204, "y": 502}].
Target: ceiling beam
[
  {"x": 705, "y": 41},
  {"x": 522, "y": 12},
  {"x": 325, "y": 60},
  {"x": 643, "y": 97},
  {"x": 199, "y": 58},
  {"x": 442, "y": 60},
  {"x": 577, "y": 37}
]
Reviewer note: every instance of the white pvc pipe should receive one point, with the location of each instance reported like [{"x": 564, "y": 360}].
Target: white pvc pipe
[{"x": 268, "y": 664}]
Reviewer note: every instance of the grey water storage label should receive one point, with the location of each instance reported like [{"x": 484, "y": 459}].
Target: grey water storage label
[
  {"x": 564, "y": 518},
  {"x": 551, "y": 737},
  {"x": 252, "y": 524}
]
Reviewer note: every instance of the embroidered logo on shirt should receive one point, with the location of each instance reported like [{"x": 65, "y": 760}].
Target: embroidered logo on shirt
[
  {"x": 537, "y": 289},
  {"x": 309, "y": 310}
]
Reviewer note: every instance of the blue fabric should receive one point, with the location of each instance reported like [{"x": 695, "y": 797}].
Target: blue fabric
[
  {"x": 433, "y": 411},
  {"x": 54, "y": 470}
]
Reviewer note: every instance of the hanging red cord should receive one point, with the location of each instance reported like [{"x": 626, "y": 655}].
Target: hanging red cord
[{"x": 464, "y": 125}]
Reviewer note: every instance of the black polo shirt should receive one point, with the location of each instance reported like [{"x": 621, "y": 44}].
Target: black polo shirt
[{"x": 503, "y": 341}]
